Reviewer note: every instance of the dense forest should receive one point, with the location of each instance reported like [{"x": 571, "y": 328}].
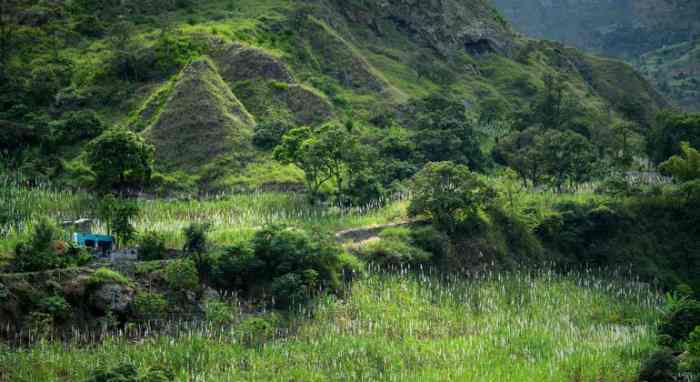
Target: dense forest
[{"x": 229, "y": 190}]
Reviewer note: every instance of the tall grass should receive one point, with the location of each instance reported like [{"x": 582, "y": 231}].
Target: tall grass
[
  {"x": 232, "y": 216},
  {"x": 401, "y": 327}
]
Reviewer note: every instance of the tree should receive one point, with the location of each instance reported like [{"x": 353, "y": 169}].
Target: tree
[
  {"x": 118, "y": 215},
  {"x": 300, "y": 147},
  {"x": 197, "y": 247},
  {"x": 523, "y": 152},
  {"x": 624, "y": 131},
  {"x": 329, "y": 153},
  {"x": 448, "y": 193},
  {"x": 78, "y": 126},
  {"x": 8, "y": 15},
  {"x": 670, "y": 129},
  {"x": 553, "y": 108},
  {"x": 539, "y": 154},
  {"x": 121, "y": 160},
  {"x": 445, "y": 134},
  {"x": 567, "y": 156},
  {"x": 684, "y": 167}
]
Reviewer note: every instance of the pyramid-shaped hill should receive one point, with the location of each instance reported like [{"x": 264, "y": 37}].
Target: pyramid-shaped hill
[
  {"x": 202, "y": 120},
  {"x": 265, "y": 85}
]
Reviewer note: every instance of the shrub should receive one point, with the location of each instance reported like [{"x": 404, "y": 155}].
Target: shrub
[
  {"x": 431, "y": 240},
  {"x": 219, "y": 312},
  {"x": 127, "y": 372},
  {"x": 681, "y": 321},
  {"x": 285, "y": 262},
  {"x": 55, "y": 306},
  {"x": 694, "y": 342},
  {"x": 269, "y": 134},
  {"x": 44, "y": 250},
  {"x": 107, "y": 276},
  {"x": 152, "y": 246},
  {"x": 181, "y": 275},
  {"x": 393, "y": 253},
  {"x": 257, "y": 330},
  {"x": 197, "y": 246},
  {"x": 661, "y": 366},
  {"x": 150, "y": 305},
  {"x": 236, "y": 268},
  {"x": 289, "y": 290}
]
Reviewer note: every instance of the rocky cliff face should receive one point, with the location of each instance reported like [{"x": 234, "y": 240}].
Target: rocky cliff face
[{"x": 444, "y": 25}]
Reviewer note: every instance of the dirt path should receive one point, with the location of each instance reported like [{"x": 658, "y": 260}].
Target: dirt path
[{"x": 366, "y": 233}]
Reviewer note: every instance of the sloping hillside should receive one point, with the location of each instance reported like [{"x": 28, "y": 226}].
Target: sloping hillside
[
  {"x": 196, "y": 79},
  {"x": 654, "y": 36}
]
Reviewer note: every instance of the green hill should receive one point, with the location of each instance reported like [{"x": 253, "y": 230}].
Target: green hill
[{"x": 196, "y": 78}]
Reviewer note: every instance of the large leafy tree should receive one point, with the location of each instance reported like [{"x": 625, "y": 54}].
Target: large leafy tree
[
  {"x": 445, "y": 134},
  {"x": 568, "y": 156},
  {"x": 524, "y": 153},
  {"x": 121, "y": 160},
  {"x": 553, "y": 108},
  {"x": 448, "y": 193},
  {"x": 558, "y": 156},
  {"x": 330, "y": 153}
]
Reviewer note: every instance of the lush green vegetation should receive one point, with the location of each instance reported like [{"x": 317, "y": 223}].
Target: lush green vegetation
[
  {"x": 398, "y": 327},
  {"x": 338, "y": 190}
]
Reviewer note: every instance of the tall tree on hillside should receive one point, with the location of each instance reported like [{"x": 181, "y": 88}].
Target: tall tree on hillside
[
  {"x": 121, "y": 160},
  {"x": 330, "y": 153},
  {"x": 444, "y": 133},
  {"x": 553, "y": 108},
  {"x": 448, "y": 193}
]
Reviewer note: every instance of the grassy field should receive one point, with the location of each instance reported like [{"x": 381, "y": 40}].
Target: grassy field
[
  {"x": 232, "y": 215},
  {"x": 400, "y": 327}
]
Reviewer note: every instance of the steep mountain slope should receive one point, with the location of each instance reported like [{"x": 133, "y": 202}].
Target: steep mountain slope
[
  {"x": 675, "y": 70},
  {"x": 294, "y": 62},
  {"x": 635, "y": 30}
]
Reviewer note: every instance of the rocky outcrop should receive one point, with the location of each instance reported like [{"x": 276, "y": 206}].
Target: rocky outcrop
[
  {"x": 447, "y": 26},
  {"x": 111, "y": 297}
]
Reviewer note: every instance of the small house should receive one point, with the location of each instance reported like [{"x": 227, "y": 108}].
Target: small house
[{"x": 83, "y": 237}]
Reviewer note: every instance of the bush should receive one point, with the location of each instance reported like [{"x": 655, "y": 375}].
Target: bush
[
  {"x": 127, "y": 372},
  {"x": 107, "y": 276},
  {"x": 285, "y": 262},
  {"x": 55, "y": 306},
  {"x": 681, "y": 321},
  {"x": 431, "y": 240},
  {"x": 236, "y": 269},
  {"x": 269, "y": 134},
  {"x": 181, "y": 275},
  {"x": 389, "y": 254},
  {"x": 290, "y": 290},
  {"x": 219, "y": 312},
  {"x": 694, "y": 342},
  {"x": 258, "y": 330},
  {"x": 78, "y": 126},
  {"x": 152, "y": 247},
  {"x": 150, "y": 305},
  {"x": 44, "y": 250},
  {"x": 661, "y": 366}
]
